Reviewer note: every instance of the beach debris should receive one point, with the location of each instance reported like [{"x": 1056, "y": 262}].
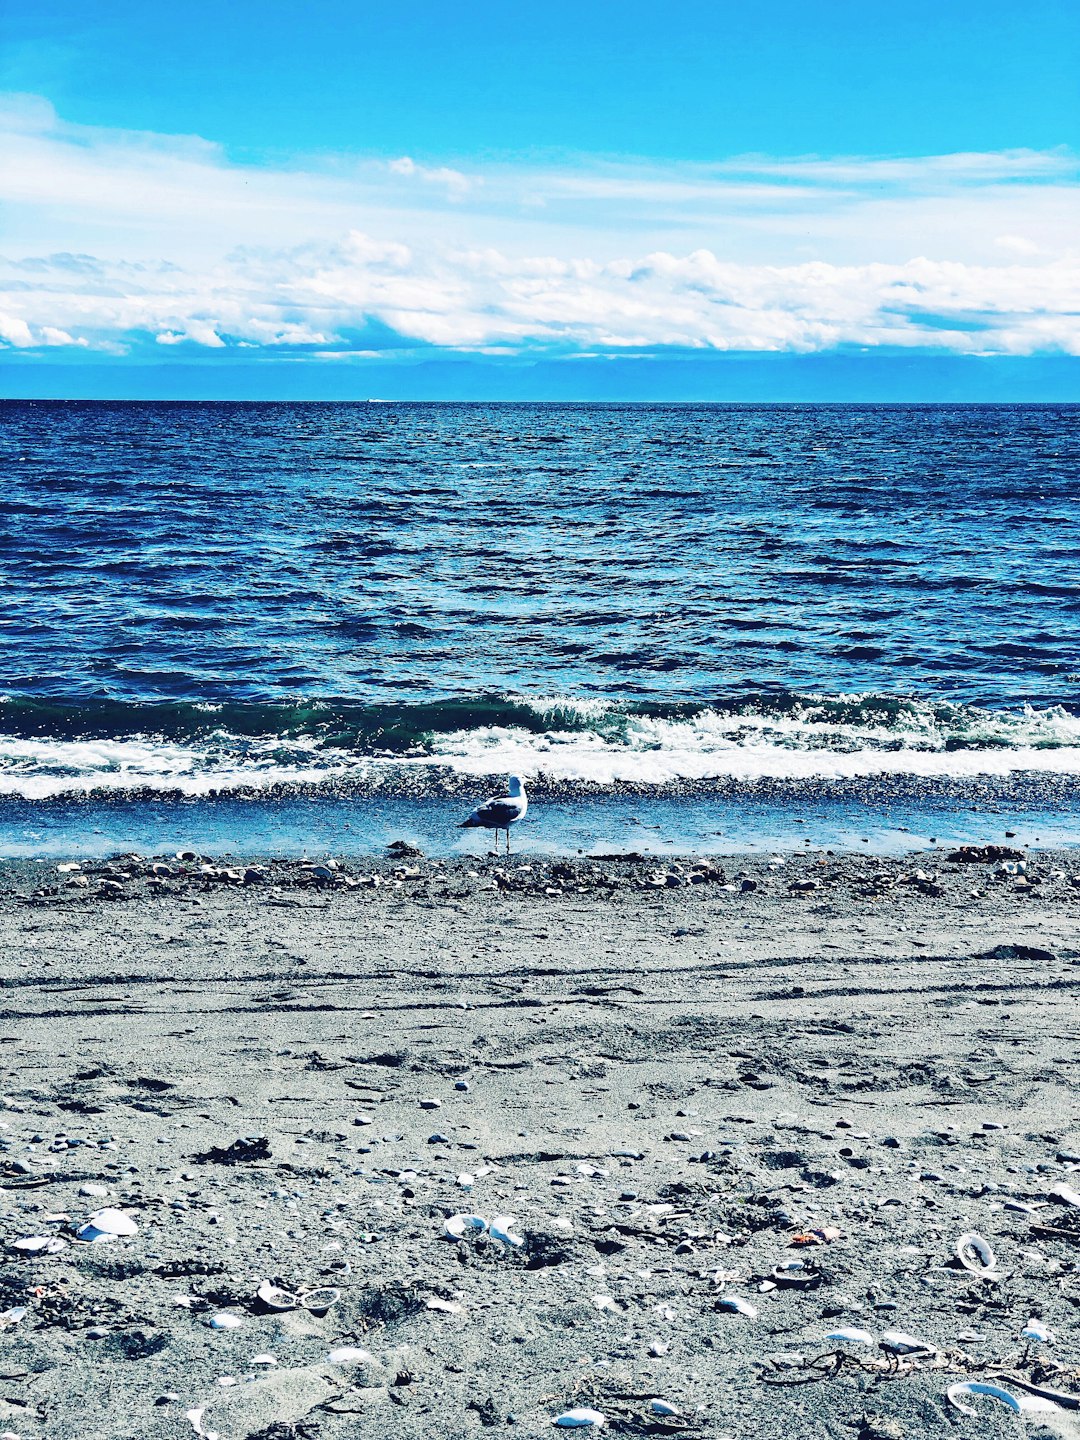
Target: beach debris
[
  {"x": 320, "y": 1300},
  {"x": 795, "y": 1275},
  {"x": 1018, "y": 1404},
  {"x": 196, "y": 1417},
  {"x": 974, "y": 1253},
  {"x": 225, "y": 1321},
  {"x": 11, "y": 1317},
  {"x": 1033, "y": 1330},
  {"x": 1064, "y": 1194},
  {"x": 106, "y": 1225},
  {"x": 502, "y": 1228},
  {"x": 245, "y": 1150},
  {"x": 982, "y": 854},
  {"x": 446, "y": 1307},
  {"x": 458, "y": 1226},
  {"x": 350, "y": 1355},
  {"x": 40, "y": 1244},
  {"x": 580, "y": 1418},
  {"x": 896, "y": 1342},
  {"x": 819, "y": 1235},
  {"x": 274, "y": 1298},
  {"x": 737, "y": 1306},
  {"x": 851, "y": 1335}
]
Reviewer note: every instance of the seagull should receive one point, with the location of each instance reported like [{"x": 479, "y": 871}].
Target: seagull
[{"x": 500, "y": 812}]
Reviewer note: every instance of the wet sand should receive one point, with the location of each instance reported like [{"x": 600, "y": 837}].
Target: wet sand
[{"x": 665, "y": 1084}]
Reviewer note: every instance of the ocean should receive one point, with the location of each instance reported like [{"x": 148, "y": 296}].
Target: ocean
[{"x": 314, "y": 626}]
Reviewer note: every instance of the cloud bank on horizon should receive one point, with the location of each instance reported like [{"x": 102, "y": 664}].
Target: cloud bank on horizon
[{"x": 130, "y": 244}]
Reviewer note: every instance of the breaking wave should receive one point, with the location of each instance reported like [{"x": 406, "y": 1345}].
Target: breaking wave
[{"x": 51, "y": 748}]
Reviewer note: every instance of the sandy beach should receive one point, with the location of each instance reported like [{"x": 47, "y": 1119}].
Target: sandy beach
[{"x": 671, "y": 1090}]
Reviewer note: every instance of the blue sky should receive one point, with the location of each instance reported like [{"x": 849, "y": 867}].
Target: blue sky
[{"x": 363, "y": 198}]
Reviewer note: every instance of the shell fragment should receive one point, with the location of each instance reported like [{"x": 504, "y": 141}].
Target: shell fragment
[
  {"x": 737, "y": 1305},
  {"x": 502, "y": 1228},
  {"x": 974, "y": 1254},
  {"x": 897, "y": 1343},
  {"x": 458, "y": 1226},
  {"x": 1018, "y": 1404}
]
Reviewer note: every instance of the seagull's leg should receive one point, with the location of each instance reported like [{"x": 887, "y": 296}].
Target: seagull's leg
[{"x": 508, "y": 839}]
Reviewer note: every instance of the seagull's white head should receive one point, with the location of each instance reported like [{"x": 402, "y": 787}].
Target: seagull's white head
[{"x": 515, "y": 785}]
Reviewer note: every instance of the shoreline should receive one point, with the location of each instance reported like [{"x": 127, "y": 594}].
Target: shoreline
[
  {"x": 664, "y": 1086},
  {"x": 889, "y": 817}
]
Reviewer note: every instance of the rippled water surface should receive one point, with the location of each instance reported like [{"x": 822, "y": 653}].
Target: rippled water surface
[{"x": 265, "y": 589}]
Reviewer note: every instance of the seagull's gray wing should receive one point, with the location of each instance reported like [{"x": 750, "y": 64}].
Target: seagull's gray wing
[{"x": 499, "y": 813}]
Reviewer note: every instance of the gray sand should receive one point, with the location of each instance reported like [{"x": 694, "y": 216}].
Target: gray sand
[{"x": 663, "y": 1086}]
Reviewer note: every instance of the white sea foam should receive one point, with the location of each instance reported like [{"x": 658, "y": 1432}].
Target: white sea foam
[
  {"x": 591, "y": 741},
  {"x": 590, "y": 758},
  {"x": 45, "y": 769}
]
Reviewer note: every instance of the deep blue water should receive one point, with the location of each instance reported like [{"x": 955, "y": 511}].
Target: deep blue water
[{"x": 214, "y": 596}]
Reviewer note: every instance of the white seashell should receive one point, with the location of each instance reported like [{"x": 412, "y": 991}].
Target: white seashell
[
  {"x": 604, "y": 1302},
  {"x": 563, "y": 1224},
  {"x": 113, "y": 1222},
  {"x": 448, "y": 1307},
  {"x": 1016, "y": 1403},
  {"x": 501, "y": 1228},
  {"x": 91, "y": 1235},
  {"x": 737, "y": 1305},
  {"x": 225, "y": 1321},
  {"x": 263, "y": 1360},
  {"x": 974, "y": 1253},
  {"x": 1065, "y": 1193},
  {"x": 663, "y": 1407},
  {"x": 13, "y": 1316},
  {"x": 320, "y": 1300},
  {"x": 457, "y": 1226},
  {"x": 33, "y": 1244},
  {"x": 898, "y": 1343},
  {"x": 1033, "y": 1330},
  {"x": 350, "y": 1355},
  {"x": 195, "y": 1416},
  {"x": 276, "y": 1298},
  {"x": 226, "y": 1380},
  {"x": 466, "y": 1181},
  {"x": 575, "y": 1419},
  {"x": 852, "y": 1336},
  {"x": 95, "y": 1192}
]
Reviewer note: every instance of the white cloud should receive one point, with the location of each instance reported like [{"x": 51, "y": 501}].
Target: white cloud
[
  {"x": 454, "y": 181},
  {"x": 118, "y": 239}
]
